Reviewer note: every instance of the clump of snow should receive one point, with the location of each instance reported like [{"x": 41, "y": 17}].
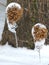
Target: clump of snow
[
  {"x": 13, "y": 4},
  {"x": 39, "y": 44},
  {"x": 41, "y": 25},
  {"x": 12, "y": 27}
]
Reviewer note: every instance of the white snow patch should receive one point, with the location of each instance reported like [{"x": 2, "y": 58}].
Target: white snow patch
[
  {"x": 23, "y": 56},
  {"x": 13, "y": 4}
]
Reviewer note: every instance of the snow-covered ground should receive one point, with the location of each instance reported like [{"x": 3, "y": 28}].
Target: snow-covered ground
[
  {"x": 23, "y": 56},
  {"x": 20, "y": 56}
]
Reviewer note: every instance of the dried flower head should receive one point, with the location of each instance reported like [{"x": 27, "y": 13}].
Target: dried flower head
[
  {"x": 14, "y": 14},
  {"x": 39, "y": 33}
]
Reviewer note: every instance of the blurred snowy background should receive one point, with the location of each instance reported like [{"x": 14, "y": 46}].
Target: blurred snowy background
[{"x": 2, "y": 15}]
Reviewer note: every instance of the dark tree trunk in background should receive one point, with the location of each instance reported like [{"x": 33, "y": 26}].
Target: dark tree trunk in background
[{"x": 34, "y": 11}]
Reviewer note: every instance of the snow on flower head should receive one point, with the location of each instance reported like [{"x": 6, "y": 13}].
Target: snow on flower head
[
  {"x": 14, "y": 12},
  {"x": 12, "y": 5},
  {"x": 39, "y": 32}
]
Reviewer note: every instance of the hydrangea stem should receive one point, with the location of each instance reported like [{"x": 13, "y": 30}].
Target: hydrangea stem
[{"x": 16, "y": 40}]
